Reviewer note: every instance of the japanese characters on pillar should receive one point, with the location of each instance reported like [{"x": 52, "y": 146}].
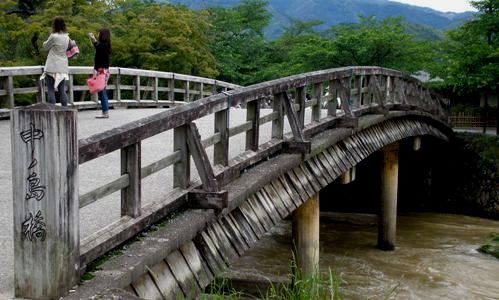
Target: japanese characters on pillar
[
  {"x": 33, "y": 228},
  {"x": 45, "y": 201}
]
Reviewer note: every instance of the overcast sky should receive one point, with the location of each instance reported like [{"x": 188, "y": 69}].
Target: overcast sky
[{"x": 442, "y": 5}]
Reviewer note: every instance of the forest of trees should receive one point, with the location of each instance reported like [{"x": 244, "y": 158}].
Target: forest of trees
[{"x": 229, "y": 43}]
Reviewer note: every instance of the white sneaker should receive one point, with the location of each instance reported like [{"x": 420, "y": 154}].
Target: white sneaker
[{"x": 103, "y": 116}]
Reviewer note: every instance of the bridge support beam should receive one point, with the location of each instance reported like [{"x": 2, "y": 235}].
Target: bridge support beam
[
  {"x": 45, "y": 194},
  {"x": 306, "y": 237},
  {"x": 348, "y": 176},
  {"x": 387, "y": 224},
  {"x": 417, "y": 143}
]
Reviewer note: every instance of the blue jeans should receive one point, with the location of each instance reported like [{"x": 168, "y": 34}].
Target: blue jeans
[
  {"x": 104, "y": 101},
  {"x": 51, "y": 92}
]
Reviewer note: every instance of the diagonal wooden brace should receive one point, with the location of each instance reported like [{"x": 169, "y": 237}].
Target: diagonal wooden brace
[
  {"x": 296, "y": 127},
  {"x": 200, "y": 158},
  {"x": 210, "y": 197},
  {"x": 298, "y": 144}
]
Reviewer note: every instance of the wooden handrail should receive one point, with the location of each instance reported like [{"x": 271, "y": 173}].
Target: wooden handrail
[{"x": 190, "y": 87}]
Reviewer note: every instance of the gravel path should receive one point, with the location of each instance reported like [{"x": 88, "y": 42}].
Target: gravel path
[{"x": 103, "y": 170}]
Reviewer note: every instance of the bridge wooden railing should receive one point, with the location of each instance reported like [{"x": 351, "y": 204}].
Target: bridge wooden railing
[
  {"x": 333, "y": 97},
  {"x": 127, "y": 87}
]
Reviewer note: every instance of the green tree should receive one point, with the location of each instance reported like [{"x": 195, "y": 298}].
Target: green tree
[
  {"x": 470, "y": 54},
  {"x": 238, "y": 42},
  {"x": 300, "y": 49},
  {"x": 162, "y": 37},
  {"x": 144, "y": 34},
  {"x": 382, "y": 43}
]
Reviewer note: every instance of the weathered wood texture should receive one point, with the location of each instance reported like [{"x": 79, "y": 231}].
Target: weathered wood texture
[
  {"x": 387, "y": 226},
  {"x": 45, "y": 193},
  {"x": 306, "y": 237}
]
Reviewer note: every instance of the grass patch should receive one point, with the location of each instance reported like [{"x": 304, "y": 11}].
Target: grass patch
[
  {"x": 95, "y": 265},
  {"x": 491, "y": 248},
  {"x": 315, "y": 287}
]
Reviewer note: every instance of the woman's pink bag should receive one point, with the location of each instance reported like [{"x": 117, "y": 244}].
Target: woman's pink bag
[{"x": 96, "y": 85}]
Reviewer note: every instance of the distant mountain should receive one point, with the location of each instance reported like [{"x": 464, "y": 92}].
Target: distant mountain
[{"x": 333, "y": 12}]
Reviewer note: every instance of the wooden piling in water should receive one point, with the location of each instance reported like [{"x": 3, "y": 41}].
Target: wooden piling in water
[
  {"x": 387, "y": 225},
  {"x": 306, "y": 236}
]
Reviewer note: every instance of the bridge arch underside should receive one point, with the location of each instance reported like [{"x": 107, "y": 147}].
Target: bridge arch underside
[{"x": 190, "y": 268}]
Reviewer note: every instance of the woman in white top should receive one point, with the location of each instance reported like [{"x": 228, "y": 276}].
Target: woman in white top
[{"x": 56, "y": 66}]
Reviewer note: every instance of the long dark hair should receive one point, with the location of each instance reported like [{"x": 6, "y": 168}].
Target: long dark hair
[
  {"x": 58, "y": 25},
  {"x": 105, "y": 38}
]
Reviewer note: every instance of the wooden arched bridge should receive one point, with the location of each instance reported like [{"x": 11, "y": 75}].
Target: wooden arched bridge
[{"x": 213, "y": 216}]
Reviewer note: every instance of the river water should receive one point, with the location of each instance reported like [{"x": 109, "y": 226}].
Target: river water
[{"x": 435, "y": 258}]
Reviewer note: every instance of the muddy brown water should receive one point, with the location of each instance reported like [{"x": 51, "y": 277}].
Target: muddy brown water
[{"x": 435, "y": 258}]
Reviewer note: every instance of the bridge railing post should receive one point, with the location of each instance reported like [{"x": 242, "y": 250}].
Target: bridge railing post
[
  {"x": 253, "y": 116},
  {"x": 171, "y": 89},
  {"x": 181, "y": 169},
  {"x": 221, "y": 149},
  {"x": 187, "y": 92},
  {"x": 301, "y": 97},
  {"x": 9, "y": 88},
  {"x": 136, "y": 90},
  {"x": 155, "y": 95},
  {"x": 71, "y": 89},
  {"x": 45, "y": 201},
  {"x": 278, "y": 123},
  {"x": 333, "y": 102},
  {"x": 131, "y": 195},
  {"x": 117, "y": 89},
  {"x": 317, "y": 108}
]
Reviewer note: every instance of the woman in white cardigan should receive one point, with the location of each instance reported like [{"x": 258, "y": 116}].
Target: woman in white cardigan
[{"x": 56, "y": 66}]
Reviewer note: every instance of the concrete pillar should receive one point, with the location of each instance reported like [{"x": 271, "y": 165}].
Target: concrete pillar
[
  {"x": 306, "y": 236},
  {"x": 387, "y": 224},
  {"x": 45, "y": 194}
]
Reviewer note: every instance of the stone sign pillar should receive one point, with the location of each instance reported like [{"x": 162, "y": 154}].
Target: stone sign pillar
[{"x": 45, "y": 195}]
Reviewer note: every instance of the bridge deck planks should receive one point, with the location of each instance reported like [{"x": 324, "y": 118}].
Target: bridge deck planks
[
  {"x": 310, "y": 178},
  {"x": 145, "y": 287},
  {"x": 277, "y": 201},
  {"x": 194, "y": 260},
  {"x": 318, "y": 172},
  {"x": 248, "y": 237},
  {"x": 294, "y": 193},
  {"x": 277, "y": 188},
  {"x": 299, "y": 187},
  {"x": 234, "y": 236},
  {"x": 183, "y": 274},
  {"x": 225, "y": 250},
  {"x": 165, "y": 281},
  {"x": 228, "y": 244},
  {"x": 334, "y": 168},
  {"x": 254, "y": 222},
  {"x": 245, "y": 226},
  {"x": 268, "y": 206},
  {"x": 260, "y": 214},
  {"x": 322, "y": 160},
  {"x": 208, "y": 251}
]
